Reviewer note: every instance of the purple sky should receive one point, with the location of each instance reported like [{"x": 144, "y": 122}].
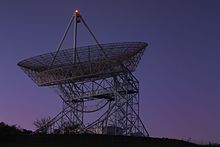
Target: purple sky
[{"x": 179, "y": 73}]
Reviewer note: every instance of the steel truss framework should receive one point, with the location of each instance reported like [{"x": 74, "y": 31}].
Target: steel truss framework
[{"x": 100, "y": 75}]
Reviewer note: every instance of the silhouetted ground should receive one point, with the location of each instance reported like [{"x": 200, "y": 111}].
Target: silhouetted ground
[
  {"x": 12, "y": 130},
  {"x": 90, "y": 141},
  {"x": 11, "y": 136}
]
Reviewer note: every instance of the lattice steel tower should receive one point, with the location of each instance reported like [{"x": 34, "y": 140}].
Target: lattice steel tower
[{"x": 94, "y": 79}]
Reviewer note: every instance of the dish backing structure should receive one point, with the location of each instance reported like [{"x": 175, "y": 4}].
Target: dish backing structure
[{"x": 91, "y": 79}]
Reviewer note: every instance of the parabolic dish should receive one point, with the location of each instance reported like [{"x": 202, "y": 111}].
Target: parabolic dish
[{"x": 91, "y": 63}]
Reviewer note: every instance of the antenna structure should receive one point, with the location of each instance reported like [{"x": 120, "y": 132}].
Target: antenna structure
[{"x": 93, "y": 80}]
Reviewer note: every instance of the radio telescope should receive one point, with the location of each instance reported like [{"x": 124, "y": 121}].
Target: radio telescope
[{"x": 95, "y": 79}]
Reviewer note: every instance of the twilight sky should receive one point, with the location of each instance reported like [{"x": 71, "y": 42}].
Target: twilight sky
[{"x": 179, "y": 73}]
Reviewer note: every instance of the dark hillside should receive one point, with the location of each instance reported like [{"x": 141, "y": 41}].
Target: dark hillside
[
  {"x": 90, "y": 141},
  {"x": 11, "y": 136}
]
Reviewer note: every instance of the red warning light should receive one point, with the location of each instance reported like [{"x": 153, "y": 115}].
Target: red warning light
[{"x": 77, "y": 12}]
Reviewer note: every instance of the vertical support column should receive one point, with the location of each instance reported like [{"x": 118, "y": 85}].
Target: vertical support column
[{"x": 75, "y": 37}]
